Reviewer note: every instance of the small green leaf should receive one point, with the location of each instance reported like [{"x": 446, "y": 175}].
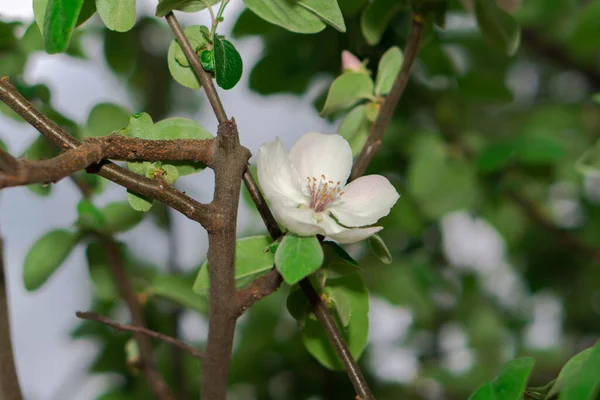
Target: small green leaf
[
  {"x": 498, "y": 26},
  {"x": 182, "y": 128},
  {"x": 346, "y": 90},
  {"x": 356, "y": 333},
  {"x": 140, "y": 126},
  {"x": 297, "y": 257},
  {"x": 177, "y": 62},
  {"x": 132, "y": 352},
  {"x": 207, "y": 60},
  {"x": 286, "y": 14},
  {"x": 509, "y": 384},
  {"x": 165, "y": 6},
  {"x": 46, "y": 255},
  {"x": 59, "y": 22},
  {"x": 538, "y": 150},
  {"x": 327, "y": 10},
  {"x": 117, "y": 15},
  {"x": 138, "y": 202},
  {"x": 105, "y": 118},
  {"x": 389, "y": 67},
  {"x": 596, "y": 98},
  {"x": 178, "y": 289},
  {"x": 170, "y": 173},
  {"x": 120, "y": 217},
  {"x": 100, "y": 272},
  {"x": 378, "y": 247},
  {"x": 585, "y": 384},
  {"x": 89, "y": 216},
  {"x": 251, "y": 261},
  {"x": 228, "y": 63},
  {"x": 355, "y": 128},
  {"x": 570, "y": 371},
  {"x": 377, "y": 15},
  {"x": 87, "y": 10},
  {"x": 341, "y": 304}
]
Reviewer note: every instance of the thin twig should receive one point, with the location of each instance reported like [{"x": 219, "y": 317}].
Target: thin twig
[
  {"x": 390, "y": 103},
  {"x": 9, "y": 382},
  {"x": 203, "y": 76},
  {"x": 154, "y": 380},
  {"x": 156, "y": 189},
  {"x": 117, "y": 326}
]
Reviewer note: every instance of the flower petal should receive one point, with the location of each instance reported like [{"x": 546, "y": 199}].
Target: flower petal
[
  {"x": 316, "y": 154},
  {"x": 355, "y": 234},
  {"x": 364, "y": 201},
  {"x": 277, "y": 178},
  {"x": 301, "y": 221}
]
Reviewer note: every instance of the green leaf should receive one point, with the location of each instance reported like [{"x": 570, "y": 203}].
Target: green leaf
[
  {"x": 182, "y": 128},
  {"x": 538, "y": 150},
  {"x": 510, "y": 383},
  {"x": 89, "y": 216},
  {"x": 346, "y": 90},
  {"x": 341, "y": 304},
  {"x": 498, "y": 26},
  {"x": 327, "y": 10},
  {"x": 585, "y": 384},
  {"x": 140, "y": 126},
  {"x": 178, "y": 289},
  {"x": 105, "y": 118},
  {"x": 100, "y": 272},
  {"x": 389, "y": 67},
  {"x": 46, "y": 255},
  {"x": 356, "y": 333},
  {"x": 228, "y": 63},
  {"x": 120, "y": 52},
  {"x": 286, "y": 14},
  {"x": 39, "y": 11},
  {"x": 378, "y": 247},
  {"x": 59, "y": 22},
  {"x": 87, "y": 10},
  {"x": 139, "y": 202},
  {"x": 337, "y": 262},
  {"x": 377, "y": 15},
  {"x": 596, "y": 98},
  {"x": 298, "y": 305},
  {"x": 251, "y": 261},
  {"x": 355, "y": 128},
  {"x": 589, "y": 162},
  {"x": 570, "y": 371},
  {"x": 207, "y": 59},
  {"x": 297, "y": 257},
  {"x": 117, "y": 15},
  {"x": 177, "y": 62},
  {"x": 120, "y": 217},
  {"x": 170, "y": 173},
  {"x": 165, "y": 6}
]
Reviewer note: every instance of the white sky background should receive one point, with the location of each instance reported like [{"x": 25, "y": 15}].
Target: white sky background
[{"x": 48, "y": 361}]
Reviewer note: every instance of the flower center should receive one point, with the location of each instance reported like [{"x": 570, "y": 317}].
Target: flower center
[{"x": 323, "y": 192}]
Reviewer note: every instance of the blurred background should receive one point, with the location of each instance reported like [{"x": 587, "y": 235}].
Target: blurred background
[{"x": 496, "y": 238}]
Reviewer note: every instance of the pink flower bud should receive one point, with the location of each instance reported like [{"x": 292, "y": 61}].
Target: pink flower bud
[{"x": 350, "y": 62}]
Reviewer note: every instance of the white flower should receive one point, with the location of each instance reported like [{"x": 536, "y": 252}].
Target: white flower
[{"x": 308, "y": 186}]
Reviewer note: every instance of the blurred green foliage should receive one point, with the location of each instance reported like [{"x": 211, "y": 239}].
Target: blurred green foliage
[{"x": 495, "y": 136}]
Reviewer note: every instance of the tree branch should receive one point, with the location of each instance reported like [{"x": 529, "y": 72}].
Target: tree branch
[
  {"x": 94, "y": 150},
  {"x": 155, "y": 381},
  {"x": 390, "y": 103},
  {"x": 117, "y": 326},
  {"x": 256, "y": 291},
  {"x": 9, "y": 381},
  {"x": 156, "y": 189}
]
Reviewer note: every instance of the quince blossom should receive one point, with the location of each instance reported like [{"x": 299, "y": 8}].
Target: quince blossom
[{"x": 308, "y": 193}]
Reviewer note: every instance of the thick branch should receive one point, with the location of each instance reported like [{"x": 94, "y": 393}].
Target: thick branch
[
  {"x": 155, "y": 381},
  {"x": 94, "y": 150},
  {"x": 117, "y": 326},
  {"x": 154, "y": 188},
  {"x": 391, "y": 101},
  {"x": 230, "y": 162},
  {"x": 9, "y": 382}
]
